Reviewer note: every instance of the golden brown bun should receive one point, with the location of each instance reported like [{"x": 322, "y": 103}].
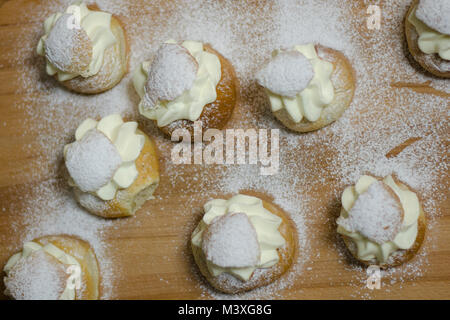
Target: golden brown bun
[
  {"x": 215, "y": 114},
  {"x": 129, "y": 200},
  {"x": 344, "y": 87},
  {"x": 260, "y": 277},
  {"x": 115, "y": 65},
  {"x": 401, "y": 256},
  {"x": 83, "y": 253},
  {"x": 430, "y": 62}
]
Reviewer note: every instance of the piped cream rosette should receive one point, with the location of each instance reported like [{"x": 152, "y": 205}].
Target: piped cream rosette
[
  {"x": 380, "y": 217},
  {"x": 262, "y": 222},
  {"x": 95, "y": 24},
  {"x": 104, "y": 153}
]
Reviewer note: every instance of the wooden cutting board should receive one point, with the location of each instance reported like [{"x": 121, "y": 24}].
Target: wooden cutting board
[{"x": 152, "y": 251}]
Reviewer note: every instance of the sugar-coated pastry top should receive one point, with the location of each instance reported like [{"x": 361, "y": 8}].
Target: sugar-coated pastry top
[
  {"x": 169, "y": 76},
  {"x": 92, "y": 161},
  {"x": 435, "y": 14},
  {"x": 380, "y": 217},
  {"x": 221, "y": 217},
  {"x": 74, "y": 42},
  {"x": 377, "y": 214},
  {"x": 230, "y": 241},
  {"x": 102, "y": 158},
  {"x": 431, "y": 19},
  {"x": 309, "y": 102},
  {"x": 288, "y": 73},
  {"x": 39, "y": 273},
  {"x": 173, "y": 71}
]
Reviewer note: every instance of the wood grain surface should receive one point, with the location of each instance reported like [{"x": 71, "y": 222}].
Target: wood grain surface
[{"x": 152, "y": 250}]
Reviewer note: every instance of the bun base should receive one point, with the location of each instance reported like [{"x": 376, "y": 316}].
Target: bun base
[{"x": 229, "y": 284}]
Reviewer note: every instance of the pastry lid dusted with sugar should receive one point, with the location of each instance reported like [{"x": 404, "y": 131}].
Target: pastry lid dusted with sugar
[
  {"x": 39, "y": 276},
  {"x": 230, "y": 241},
  {"x": 377, "y": 214},
  {"x": 243, "y": 243},
  {"x": 298, "y": 81},
  {"x": 381, "y": 221},
  {"x": 69, "y": 49},
  {"x": 172, "y": 72},
  {"x": 435, "y": 14},
  {"x": 92, "y": 161},
  {"x": 288, "y": 73},
  {"x": 238, "y": 236},
  {"x": 74, "y": 42},
  {"x": 178, "y": 82},
  {"x": 102, "y": 159}
]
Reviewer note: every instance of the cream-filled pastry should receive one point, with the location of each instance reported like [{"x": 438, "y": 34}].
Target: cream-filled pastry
[
  {"x": 112, "y": 166},
  {"x": 53, "y": 268},
  {"x": 186, "y": 82},
  {"x": 308, "y": 86},
  {"x": 243, "y": 243},
  {"x": 85, "y": 49},
  {"x": 381, "y": 221},
  {"x": 427, "y": 28}
]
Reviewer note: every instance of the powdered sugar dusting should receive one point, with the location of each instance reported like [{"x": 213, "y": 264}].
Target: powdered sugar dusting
[{"x": 386, "y": 111}]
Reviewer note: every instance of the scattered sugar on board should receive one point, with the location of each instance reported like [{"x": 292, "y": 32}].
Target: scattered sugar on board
[{"x": 247, "y": 34}]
